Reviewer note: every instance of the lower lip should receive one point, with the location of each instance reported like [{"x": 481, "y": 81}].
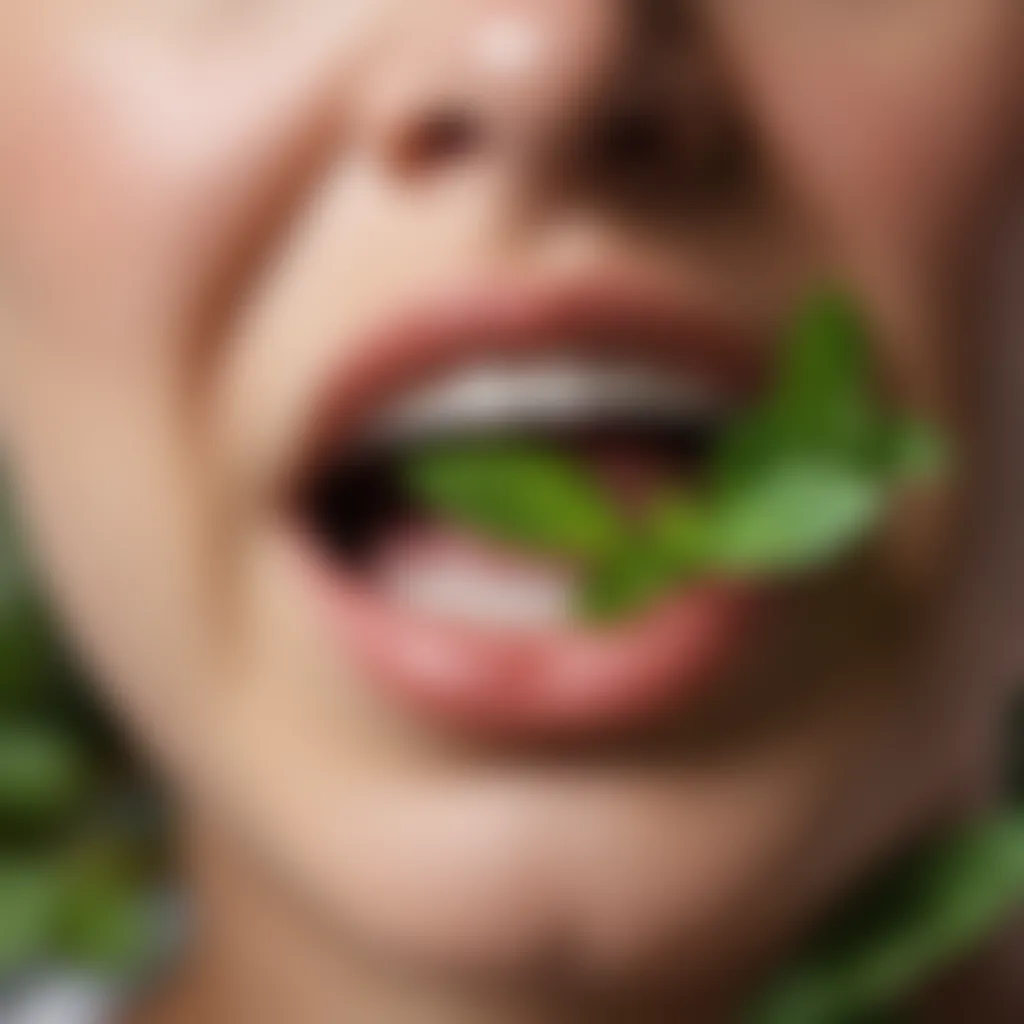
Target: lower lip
[{"x": 563, "y": 681}]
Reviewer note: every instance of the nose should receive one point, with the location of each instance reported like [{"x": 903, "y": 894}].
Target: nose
[{"x": 616, "y": 91}]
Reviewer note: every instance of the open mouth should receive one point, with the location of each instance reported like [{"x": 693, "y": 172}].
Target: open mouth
[
  {"x": 479, "y": 630},
  {"x": 635, "y": 427}
]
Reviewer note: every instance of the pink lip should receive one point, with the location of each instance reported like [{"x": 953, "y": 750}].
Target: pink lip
[
  {"x": 566, "y": 681},
  {"x": 560, "y": 682},
  {"x": 616, "y": 314}
]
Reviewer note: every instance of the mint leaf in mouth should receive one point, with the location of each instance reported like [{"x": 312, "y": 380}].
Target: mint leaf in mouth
[
  {"x": 793, "y": 484},
  {"x": 523, "y": 494}
]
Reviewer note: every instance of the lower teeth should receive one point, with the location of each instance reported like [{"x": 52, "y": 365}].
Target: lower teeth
[
  {"x": 478, "y": 598},
  {"x": 443, "y": 571}
]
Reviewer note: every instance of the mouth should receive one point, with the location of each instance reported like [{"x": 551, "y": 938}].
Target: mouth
[{"x": 477, "y": 633}]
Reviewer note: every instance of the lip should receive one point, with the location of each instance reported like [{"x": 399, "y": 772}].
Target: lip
[
  {"x": 616, "y": 314},
  {"x": 561, "y": 681}
]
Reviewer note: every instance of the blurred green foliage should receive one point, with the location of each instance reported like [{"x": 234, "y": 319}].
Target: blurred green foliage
[
  {"x": 79, "y": 829},
  {"x": 903, "y": 928}
]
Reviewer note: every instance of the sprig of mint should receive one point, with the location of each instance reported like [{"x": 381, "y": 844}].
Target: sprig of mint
[
  {"x": 524, "y": 494},
  {"x": 795, "y": 482}
]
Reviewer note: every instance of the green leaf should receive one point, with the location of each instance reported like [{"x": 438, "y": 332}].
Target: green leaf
[
  {"x": 104, "y": 920},
  {"x": 681, "y": 530},
  {"x": 30, "y": 898},
  {"x": 822, "y": 403},
  {"x": 630, "y": 578},
  {"x": 915, "y": 923},
  {"x": 795, "y": 516},
  {"x": 672, "y": 544},
  {"x": 807, "y": 996},
  {"x": 42, "y": 770},
  {"x": 104, "y": 924},
  {"x": 524, "y": 494},
  {"x": 825, "y": 379},
  {"x": 796, "y": 482}
]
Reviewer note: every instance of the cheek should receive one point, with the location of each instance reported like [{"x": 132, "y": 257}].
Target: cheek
[
  {"x": 890, "y": 122},
  {"x": 131, "y": 181},
  {"x": 132, "y": 177},
  {"x": 86, "y": 219}
]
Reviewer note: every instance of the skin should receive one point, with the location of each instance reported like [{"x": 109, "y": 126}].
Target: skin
[{"x": 203, "y": 206}]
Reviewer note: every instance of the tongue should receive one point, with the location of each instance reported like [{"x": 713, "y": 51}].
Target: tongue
[
  {"x": 448, "y": 569},
  {"x": 632, "y": 476}
]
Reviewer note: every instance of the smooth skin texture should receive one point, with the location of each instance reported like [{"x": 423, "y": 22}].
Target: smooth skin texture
[{"x": 204, "y": 205}]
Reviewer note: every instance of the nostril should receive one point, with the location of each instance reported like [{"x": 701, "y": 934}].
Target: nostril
[
  {"x": 440, "y": 137},
  {"x": 633, "y": 140},
  {"x": 666, "y": 21},
  {"x": 700, "y": 151}
]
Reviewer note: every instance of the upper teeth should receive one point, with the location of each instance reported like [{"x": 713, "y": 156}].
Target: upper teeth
[{"x": 548, "y": 393}]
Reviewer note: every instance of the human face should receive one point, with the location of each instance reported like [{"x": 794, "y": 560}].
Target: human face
[{"x": 223, "y": 223}]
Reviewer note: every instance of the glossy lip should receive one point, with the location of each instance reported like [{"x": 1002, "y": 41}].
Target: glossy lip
[
  {"x": 567, "y": 681},
  {"x": 614, "y": 315}
]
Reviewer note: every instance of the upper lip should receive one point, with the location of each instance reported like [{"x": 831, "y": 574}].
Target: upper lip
[{"x": 612, "y": 313}]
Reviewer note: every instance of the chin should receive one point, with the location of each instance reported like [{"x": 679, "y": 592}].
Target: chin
[
  {"x": 587, "y": 887},
  {"x": 491, "y": 851},
  {"x": 567, "y": 876}
]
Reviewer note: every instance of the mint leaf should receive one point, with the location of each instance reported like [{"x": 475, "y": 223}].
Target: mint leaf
[
  {"x": 793, "y": 517},
  {"x": 670, "y": 545},
  {"x": 520, "y": 493},
  {"x": 682, "y": 530},
  {"x": 821, "y": 405},
  {"x": 823, "y": 398},
  {"x": 629, "y": 578},
  {"x": 795, "y": 482}
]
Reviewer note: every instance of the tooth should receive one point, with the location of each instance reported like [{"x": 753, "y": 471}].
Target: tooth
[
  {"x": 484, "y": 599},
  {"x": 549, "y": 391}
]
